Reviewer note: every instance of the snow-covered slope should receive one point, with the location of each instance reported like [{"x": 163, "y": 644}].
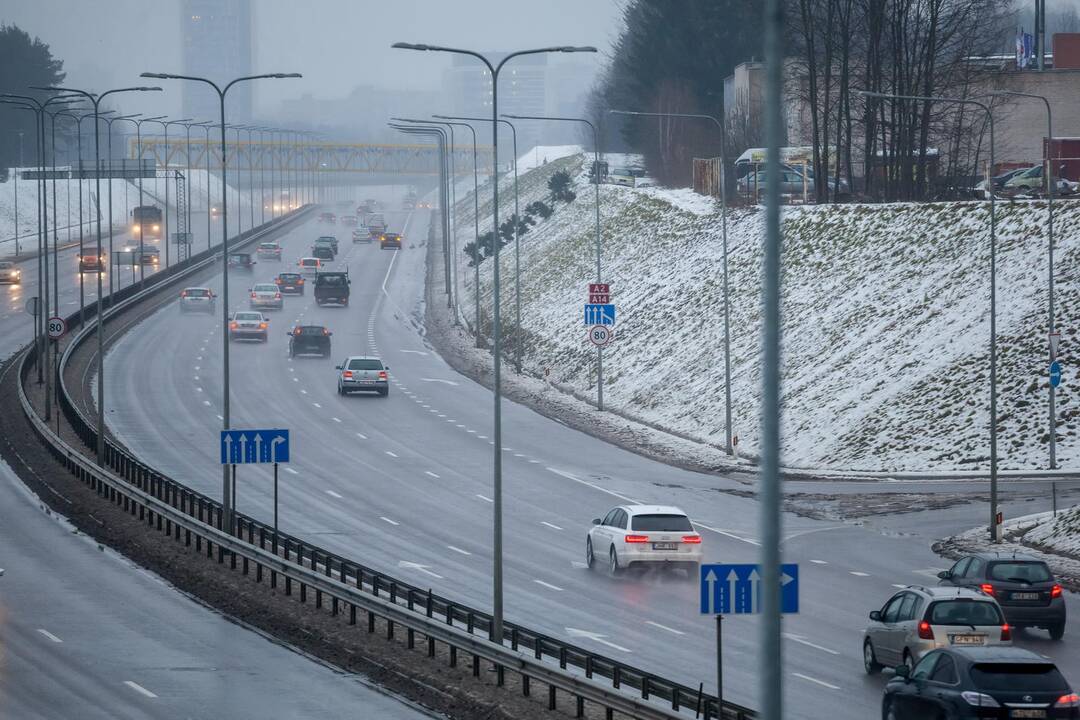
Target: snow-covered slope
[{"x": 885, "y": 311}]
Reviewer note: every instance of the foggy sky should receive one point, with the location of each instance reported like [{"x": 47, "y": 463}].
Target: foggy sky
[{"x": 336, "y": 44}]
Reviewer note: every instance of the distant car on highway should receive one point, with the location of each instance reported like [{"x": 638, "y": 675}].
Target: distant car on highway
[
  {"x": 197, "y": 299},
  {"x": 918, "y": 619},
  {"x": 322, "y": 250},
  {"x": 149, "y": 255},
  {"x": 359, "y": 373},
  {"x": 376, "y": 223},
  {"x": 10, "y": 273},
  {"x": 249, "y": 325},
  {"x": 348, "y": 220},
  {"x": 290, "y": 283},
  {"x": 1021, "y": 584},
  {"x": 309, "y": 340},
  {"x": 979, "y": 682},
  {"x": 641, "y": 536},
  {"x": 241, "y": 261},
  {"x": 327, "y": 217},
  {"x": 266, "y": 295},
  {"x": 332, "y": 287},
  {"x": 362, "y": 235},
  {"x": 270, "y": 250},
  {"x": 331, "y": 239},
  {"x": 91, "y": 262},
  {"x": 309, "y": 265},
  {"x": 389, "y": 240}
]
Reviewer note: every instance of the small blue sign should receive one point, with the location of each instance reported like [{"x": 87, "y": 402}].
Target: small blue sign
[
  {"x": 1055, "y": 374},
  {"x": 736, "y": 589},
  {"x": 600, "y": 314},
  {"x": 247, "y": 447}
]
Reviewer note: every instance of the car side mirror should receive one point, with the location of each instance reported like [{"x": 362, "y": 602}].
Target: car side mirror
[
  {"x": 289, "y": 334},
  {"x": 337, "y": 367},
  {"x": 945, "y": 574},
  {"x": 875, "y": 615},
  {"x": 386, "y": 367},
  {"x": 903, "y": 671},
  {"x": 596, "y": 521}
]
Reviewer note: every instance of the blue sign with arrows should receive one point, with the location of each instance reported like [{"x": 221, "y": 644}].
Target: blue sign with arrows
[
  {"x": 600, "y": 314},
  {"x": 248, "y": 447},
  {"x": 736, "y": 589},
  {"x": 1055, "y": 374}
]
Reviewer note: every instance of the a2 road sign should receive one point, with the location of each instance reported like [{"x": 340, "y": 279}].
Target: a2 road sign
[
  {"x": 736, "y": 589},
  {"x": 246, "y": 447},
  {"x": 56, "y": 328}
]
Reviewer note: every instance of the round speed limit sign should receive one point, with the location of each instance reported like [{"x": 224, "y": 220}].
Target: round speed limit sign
[
  {"x": 600, "y": 335},
  {"x": 56, "y": 328}
]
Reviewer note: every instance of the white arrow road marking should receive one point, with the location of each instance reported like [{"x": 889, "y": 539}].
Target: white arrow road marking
[
  {"x": 815, "y": 680},
  {"x": 205, "y": 402},
  {"x": 413, "y": 352},
  {"x": 595, "y": 637},
  {"x": 664, "y": 627},
  {"x": 819, "y": 562},
  {"x": 331, "y": 493},
  {"x": 439, "y": 380},
  {"x": 49, "y": 635},
  {"x": 548, "y": 585},
  {"x": 803, "y": 641},
  {"x": 553, "y": 527},
  {"x": 392, "y": 522},
  {"x": 418, "y": 566},
  {"x": 139, "y": 689}
]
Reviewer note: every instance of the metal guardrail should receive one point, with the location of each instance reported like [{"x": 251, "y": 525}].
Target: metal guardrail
[{"x": 560, "y": 665}]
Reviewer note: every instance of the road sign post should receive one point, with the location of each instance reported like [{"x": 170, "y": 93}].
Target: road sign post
[{"x": 599, "y": 311}]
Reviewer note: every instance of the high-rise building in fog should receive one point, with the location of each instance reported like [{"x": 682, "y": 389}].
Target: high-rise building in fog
[
  {"x": 216, "y": 45},
  {"x": 522, "y": 91}
]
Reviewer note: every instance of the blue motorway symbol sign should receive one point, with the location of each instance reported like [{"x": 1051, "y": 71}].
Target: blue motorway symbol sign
[
  {"x": 245, "y": 447},
  {"x": 1055, "y": 373},
  {"x": 600, "y": 314},
  {"x": 736, "y": 589}
]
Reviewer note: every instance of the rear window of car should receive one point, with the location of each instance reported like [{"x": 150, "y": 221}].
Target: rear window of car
[
  {"x": 1020, "y": 571},
  {"x": 265, "y": 287},
  {"x": 331, "y": 280},
  {"x": 310, "y": 261},
  {"x": 248, "y": 316},
  {"x": 964, "y": 611},
  {"x": 311, "y": 330},
  {"x": 239, "y": 258},
  {"x": 289, "y": 277},
  {"x": 197, "y": 292},
  {"x": 662, "y": 523},
  {"x": 365, "y": 364},
  {"x": 1017, "y": 677},
  {"x": 268, "y": 246},
  {"x": 326, "y": 238}
]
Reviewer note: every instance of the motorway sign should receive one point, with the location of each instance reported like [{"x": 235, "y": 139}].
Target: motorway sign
[
  {"x": 603, "y": 314},
  {"x": 1055, "y": 374},
  {"x": 602, "y": 288},
  {"x": 56, "y": 327},
  {"x": 246, "y": 447},
  {"x": 599, "y": 298},
  {"x": 736, "y": 589},
  {"x": 601, "y": 335}
]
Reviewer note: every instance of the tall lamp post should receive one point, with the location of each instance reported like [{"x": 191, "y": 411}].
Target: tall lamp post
[
  {"x": 96, "y": 101},
  {"x": 187, "y": 156},
  {"x": 165, "y": 125},
  {"x": 142, "y": 224},
  {"x": 497, "y": 611},
  {"x": 596, "y": 163},
  {"x": 723, "y": 229},
  {"x": 226, "y": 495},
  {"x": 993, "y": 292},
  {"x": 109, "y": 152}
]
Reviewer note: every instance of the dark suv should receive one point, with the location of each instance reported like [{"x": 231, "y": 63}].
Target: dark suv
[
  {"x": 1023, "y": 586},
  {"x": 979, "y": 682},
  {"x": 309, "y": 340},
  {"x": 290, "y": 283},
  {"x": 332, "y": 287},
  {"x": 241, "y": 261},
  {"x": 322, "y": 250}
]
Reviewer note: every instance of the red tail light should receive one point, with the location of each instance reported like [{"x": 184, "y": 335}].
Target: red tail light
[
  {"x": 277, "y": 281},
  {"x": 1055, "y": 592},
  {"x": 183, "y": 293},
  {"x": 277, "y": 296},
  {"x": 324, "y": 332},
  {"x": 987, "y": 588},
  {"x": 300, "y": 281},
  {"x": 1068, "y": 701},
  {"x": 252, "y": 294},
  {"x": 692, "y": 539},
  {"x": 636, "y": 538},
  {"x": 382, "y": 374},
  {"x": 347, "y": 374},
  {"x": 925, "y": 632},
  {"x": 1006, "y": 632}
]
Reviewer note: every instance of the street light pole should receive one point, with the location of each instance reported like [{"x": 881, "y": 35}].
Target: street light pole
[
  {"x": 108, "y": 123},
  {"x": 226, "y": 495},
  {"x": 142, "y": 223},
  {"x": 729, "y": 448},
  {"x": 187, "y": 153},
  {"x": 165, "y": 125},
  {"x": 497, "y": 604}
]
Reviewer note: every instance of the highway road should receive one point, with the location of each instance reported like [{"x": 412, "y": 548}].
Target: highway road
[
  {"x": 84, "y": 633},
  {"x": 404, "y": 484}
]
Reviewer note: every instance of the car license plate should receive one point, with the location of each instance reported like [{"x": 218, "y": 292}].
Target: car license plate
[
  {"x": 967, "y": 639},
  {"x": 663, "y": 546},
  {"x": 1026, "y": 596},
  {"x": 1027, "y": 713}
]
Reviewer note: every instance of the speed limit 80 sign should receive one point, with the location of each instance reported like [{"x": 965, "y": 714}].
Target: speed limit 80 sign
[
  {"x": 601, "y": 335},
  {"x": 56, "y": 328}
]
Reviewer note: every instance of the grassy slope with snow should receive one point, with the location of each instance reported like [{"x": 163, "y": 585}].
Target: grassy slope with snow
[
  {"x": 885, "y": 311},
  {"x": 1061, "y": 534}
]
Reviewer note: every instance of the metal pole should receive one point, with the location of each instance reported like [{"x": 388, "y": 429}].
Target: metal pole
[
  {"x": 496, "y": 332},
  {"x": 82, "y": 249},
  {"x": 17, "y": 194},
  {"x": 209, "y": 211},
  {"x": 226, "y": 494},
  {"x": 719, "y": 645},
  {"x": 275, "y": 506},
  {"x": 142, "y": 222},
  {"x": 45, "y": 277},
  {"x": 165, "y": 225}
]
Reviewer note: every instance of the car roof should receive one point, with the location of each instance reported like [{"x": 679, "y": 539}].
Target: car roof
[
  {"x": 998, "y": 654},
  {"x": 193, "y": 287},
  {"x": 949, "y": 592},
  {"x": 309, "y": 258},
  {"x": 653, "y": 510},
  {"x": 992, "y": 556},
  {"x": 364, "y": 357}
]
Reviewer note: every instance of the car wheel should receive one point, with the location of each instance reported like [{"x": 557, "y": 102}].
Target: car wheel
[
  {"x": 888, "y": 712},
  {"x": 613, "y": 562},
  {"x": 1057, "y": 631},
  {"x": 590, "y": 560},
  {"x": 869, "y": 659},
  {"x": 340, "y": 390},
  {"x": 384, "y": 392},
  {"x": 908, "y": 660}
]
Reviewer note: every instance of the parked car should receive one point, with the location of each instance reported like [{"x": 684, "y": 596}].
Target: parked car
[
  {"x": 643, "y": 535},
  {"x": 1030, "y": 180},
  {"x": 979, "y": 682},
  {"x": 791, "y": 183},
  {"x": 309, "y": 340},
  {"x": 197, "y": 299},
  {"x": 1022, "y": 585}
]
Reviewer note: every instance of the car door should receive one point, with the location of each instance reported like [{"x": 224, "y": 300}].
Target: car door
[
  {"x": 911, "y": 703},
  {"x": 601, "y": 535},
  {"x": 889, "y": 643},
  {"x": 939, "y": 696},
  {"x": 618, "y": 528},
  {"x": 973, "y": 573}
]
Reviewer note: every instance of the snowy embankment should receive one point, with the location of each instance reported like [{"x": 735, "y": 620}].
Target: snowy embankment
[{"x": 885, "y": 314}]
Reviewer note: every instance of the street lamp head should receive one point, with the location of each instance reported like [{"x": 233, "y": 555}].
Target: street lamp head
[
  {"x": 286, "y": 75},
  {"x": 410, "y": 46},
  {"x": 580, "y": 48},
  {"x": 146, "y": 88},
  {"x": 158, "y": 76}
]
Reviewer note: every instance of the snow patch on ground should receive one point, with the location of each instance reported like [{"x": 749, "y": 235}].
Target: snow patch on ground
[{"x": 543, "y": 154}]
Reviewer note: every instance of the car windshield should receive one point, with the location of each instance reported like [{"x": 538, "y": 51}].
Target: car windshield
[
  {"x": 6, "y": 265},
  {"x": 239, "y": 258},
  {"x": 365, "y": 364},
  {"x": 1020, "y": 571},
  {"x": 311, "y": 330},
  {"x": 326, "y": 238},
  {"x": 268, "y": 246},
  {"x": 964, "y": 611},
  {"x": 197, "y": 292},
  {"x": 662, "y": 523},
  {"x": 1018, "y": 677},
  {"x": 265, "y": 287},
  {"x": 331, "y": 280},
  {"x": 248, "y": 316}
]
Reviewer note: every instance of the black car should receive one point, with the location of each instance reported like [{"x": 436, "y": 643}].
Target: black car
[
  {"x": 332, "y": 239},
  {"x": 323, "y": 251},
  {"x": 979, "y": 682},
  {"x": 1023, "y": 586},
  {"x": 309, "y": 340},
  {"x": 332, "y": 287},
  {"x": 241, "y": 261},
  {"x": 290, "y": 283}
]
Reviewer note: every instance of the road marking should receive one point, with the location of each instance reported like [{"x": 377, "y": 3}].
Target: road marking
[
  {"x": 428, "y": 472},
  {"x": 803, "y": 641},
  {"x": 517, "y": 455},
  {"x": 336, "y": 419},
  {"x": 459, "y": 550},
  {"x": 331, "y": 493},
  {"x": 595, "y": 637},
  {"x": 295, "y": 379},
  {"x": 856, "y": 573},
  {"x": 199, "y": 389},
  {"x": 196, "y": 378},
  {"x": 484, "y": 498},
  {"x": 439, "y": 380},
  {"x": 928, "y": 572},
  {"x": 535, "y": 462},
  {"x": 205, "y": 402},
  {"x": 317, "y": 405},
  {"x": 303, "y": 391},
  {"x": 815, "y": 680},
  {"x": 362, "y": 436},
  {"x": 290, "y": 470},
  {"x": 218, "y": 417},
  {"x": 664, "y": 627},
  {"x": 139, "y": 689},
  {"x": 725, "y": 533},
  {"x": 468, "y": 431},
  {"x": 553, "y": 527},
  {"x": 391, "y": 454},
  {"x": 548, "y": 585},
  {"x": 899, "y": 586},
  {"x": 49, "y": 635},
  {"x": 414, "y": 352},
  {"x": 392, "y": 522},
  {"x": 568, "y": 476},
  {"x": 819, "y": 562},
  {"x": 482, "y": 437},
  {"x": 418, "y": 566}
]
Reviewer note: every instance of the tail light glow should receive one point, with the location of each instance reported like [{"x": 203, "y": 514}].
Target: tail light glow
[
  {"x": 347, "y": 374},
  {"x": 692, "y": 539},
  {"x": 1068, "y": 701},
  {"x": 183, "y": 293},
  {"x": 324, "y": 331},
  {"x": 233, "y": 325},
  {"x": 636, "y": 538},
  {"x": 252, "y": 294},
  {"x": 987, "y": 588},
  {"x": 925, "y": 632},
  {"x": 277, "y": 296},
  {"x": 296, "y": 331},
  {"x": 1006, "y": 632},
  {"x": 1055, "y": 592},
  {"x": 382, "y": 374}
]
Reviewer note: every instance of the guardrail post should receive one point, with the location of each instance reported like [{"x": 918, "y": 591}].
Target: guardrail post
[
  {"x": 500, "y": 675},
  {"x": 303, "y": 592},
  {"x": 525, "y": 685},
  {"x": 389, "y": 629},
  {"x": 393, "y": 592},
  {"x": 352, "y": 614},
  {"x": 430, "y": 603},
  {"x": 562, "y": 658},
  {"x": 375, "y": 582},
  {"x": 616, "y": 676},
  {"x": 513, "y": 638},
  {"x": 288, "y": 585},
  {"x": 551, "y": 697},
  {"x": 258, "y": 572},
  {"x": 476, "y": 665},
  {"x": 644, "y": 687},
  {"x": 580, "y": 711},
  {"x": 453, "y": 656},
  {"x": 410, "y": 641},
  {"x": 334, "y": 605},
  {"x": 469, "y": 622},
  {"x": 588, "y": 666},
  {"x": 409, "y": 599},
  {"x": 370, "y": 621},
  {"x": 449, "y": 613}
]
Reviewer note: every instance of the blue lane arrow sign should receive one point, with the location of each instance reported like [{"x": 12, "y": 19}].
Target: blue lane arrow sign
[
  {"x": 245, "y": 447},
  {"x": 736, "y": 589},
  {"x": 1055, "y": 374},
  {"x": 600, "y": 314}
]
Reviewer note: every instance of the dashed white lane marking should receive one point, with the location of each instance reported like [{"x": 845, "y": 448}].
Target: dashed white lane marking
[
  {"x": 816, "y": 681},
  {"x": 197, "y": 368},
  {"x": 468, "y": 431},
  {"x": 362, "y": 436},
  {"x": 535, "y": 462},
  {"x": 205, "y": 402},
  {"x": 594, "y": 486},
  {"x": 331, "y": 493},
  {"x": 139, "y": 689},
  {"x": 290, "y": 470},
  {"x": 820, "y": 562},
  {"x": 336, "y": 419},
  {"x": 439, "y": 380},
  {"x": 664, "y": 627},
  {"x": 553, "y": 527},
  {"x": 49, "y": 635},
  {"x": 392, "y": 522},
  {"x": 899, "y": 586},
  {"x": 482, "y": 437},
  {"x": 517, "y": 455},
  {"x": 199, "y": 357},
  {"x": 441, "y": 415},
  {"x": 484, "y": 498},
  {"x": 414, "y": 352},
  {"x": 199, "y": 389},
  {"x": 725, "y": 533},
  {"x": 390, "y": 453},
  {"x": 218, "y": 417},
  {"x": 803, "y": 641},
  {"x": 459, "y": 550},
  {"x": 196, "y": 378},
  {"x": 317, "y": 405},
  {"x": 856, "y": 573},
  {"x": 548, "y": 585},
  {"x": 428, "y": 472},
  {"x": 296, "y": 380},
  {"x": 303, "y": 391}
]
